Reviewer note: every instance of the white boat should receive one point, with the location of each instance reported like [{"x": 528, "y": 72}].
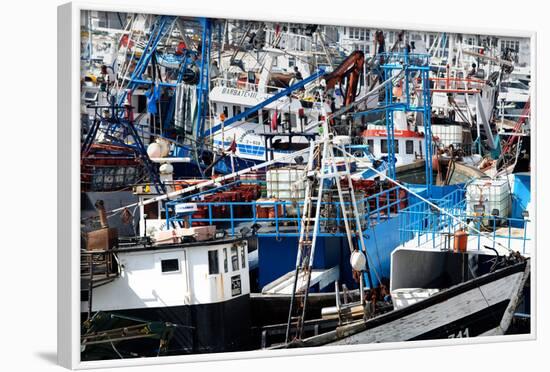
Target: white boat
[{"x": 201, "y": 287}]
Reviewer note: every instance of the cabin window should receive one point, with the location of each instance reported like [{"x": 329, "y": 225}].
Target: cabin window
[
  {"x": 293, "y": 120},
  {"x": 384, "y": 146},
  {"x": 215, "y": 107},
  {"x": 151, "y": 210},
  {"x": 234, "y": 258},
  {"x": 291, "y": 61},
  {"x": 170, "y": 266},
  {"x": 141, "y": 103},
  {"x": 265, "y": 117},
  {"x": 409, "y": 147},
  {"x": 225, "y": 263},
  {"x": 236, "y": 110},
  {"x": 253, "y": 117},
  {"x": 370, "y": 143},
  {"x": 213, "y": 264},
  {"x": 251, "y": 77},
  {"x": 226, "y": 111},
  {"x": 243, "y": 257}
]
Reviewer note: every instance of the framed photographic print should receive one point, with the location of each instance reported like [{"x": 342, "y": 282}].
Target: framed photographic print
[{"x": 235, "y": 187}]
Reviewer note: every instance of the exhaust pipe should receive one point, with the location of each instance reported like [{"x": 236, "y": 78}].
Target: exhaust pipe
[{"x": 100, "y": 206}]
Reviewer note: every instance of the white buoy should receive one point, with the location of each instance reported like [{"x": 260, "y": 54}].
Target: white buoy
[
  {"x": 164, "y": 147},
  {"x": 358, "y": 261},
  {"x": 166, "y": 171},
  {"x": 154, "y": 150},
  {"x": 166, "y": 168}
]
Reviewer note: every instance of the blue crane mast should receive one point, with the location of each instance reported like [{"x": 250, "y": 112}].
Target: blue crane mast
[
  {"x": 416, "y": 71},
  {"x": 119, "y": 125}
]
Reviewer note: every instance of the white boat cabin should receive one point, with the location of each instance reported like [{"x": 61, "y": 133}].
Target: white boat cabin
[{"x": 176, "y": 275}]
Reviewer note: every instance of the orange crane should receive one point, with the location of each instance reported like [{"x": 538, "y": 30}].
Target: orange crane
[{"x": 347, "y": 74}]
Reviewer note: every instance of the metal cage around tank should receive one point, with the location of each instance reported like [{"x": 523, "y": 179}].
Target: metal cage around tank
[{"x": 430, "y": 227}]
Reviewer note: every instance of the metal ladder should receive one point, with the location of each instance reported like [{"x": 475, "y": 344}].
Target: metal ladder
[{"x": 316, "y": 176}]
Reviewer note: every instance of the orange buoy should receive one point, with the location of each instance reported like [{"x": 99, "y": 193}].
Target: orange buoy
[{"x": 460, "y": 241}]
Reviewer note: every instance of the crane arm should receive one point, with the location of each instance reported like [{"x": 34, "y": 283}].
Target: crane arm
[{"x": 350, "y": 69}]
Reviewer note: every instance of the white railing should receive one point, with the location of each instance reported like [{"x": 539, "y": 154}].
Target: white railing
[
  {"x": 289, "y": 41},
  {"x": 234, "y": 83}
]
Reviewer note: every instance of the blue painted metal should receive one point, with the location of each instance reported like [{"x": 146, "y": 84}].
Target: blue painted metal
[
  {"x": 204, "y": 79},
  {"x": 158, "y": 31},
  {"x": 115, "y": 120},
  {"x": 285, "y": 92},
  {"x": 421, "y": 222},
  {"x": 411, "y": 64},
  {"x": 277, "y": 224},
  {"x": 521, "y": 195}
]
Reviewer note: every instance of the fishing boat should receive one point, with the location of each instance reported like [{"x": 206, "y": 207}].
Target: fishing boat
[
  {"x": 482, "y": 306},
  {"x": 275, "y": 200},
  {"x": 187, "y": 278}
]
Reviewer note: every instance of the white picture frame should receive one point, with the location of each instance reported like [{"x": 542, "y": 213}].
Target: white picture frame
[{"x": 69, "y": 185}]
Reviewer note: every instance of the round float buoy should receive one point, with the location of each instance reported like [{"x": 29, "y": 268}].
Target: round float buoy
[
  {"x": 154, "y": 150},
  {"x": 358, "y": 261},
  {"x": 166, "y": 168}
]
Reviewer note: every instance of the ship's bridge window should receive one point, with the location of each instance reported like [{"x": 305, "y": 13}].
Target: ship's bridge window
[
  {"x": 226, "y": 111},
  {"x": 409, "y": 147},
  {"x": 170, "y": 266},
  {"x": 213, "y": 263},
  {"x": 234, "y": 258}
]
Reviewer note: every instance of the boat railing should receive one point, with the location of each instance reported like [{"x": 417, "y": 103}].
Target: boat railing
[
  {"x": 243, "y": 85},
  {"x": 448, "y": 84},
  {"x": 415, "y": 60},
  {"x": 289, "y": 41},
  {"x": 431, "y": 227},
  {"x": 98, "y": 266},
  {"x": 282, "y": 218}
]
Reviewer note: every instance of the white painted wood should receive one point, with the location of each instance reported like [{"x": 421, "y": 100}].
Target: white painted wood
[{"x": 142, "y": 284}]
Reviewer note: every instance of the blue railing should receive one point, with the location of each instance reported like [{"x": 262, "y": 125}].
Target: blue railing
[
  {"x": 284, "y": 219},
  {"x": 427, "y": 225},
  {"x": 399, "y": 59}
]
